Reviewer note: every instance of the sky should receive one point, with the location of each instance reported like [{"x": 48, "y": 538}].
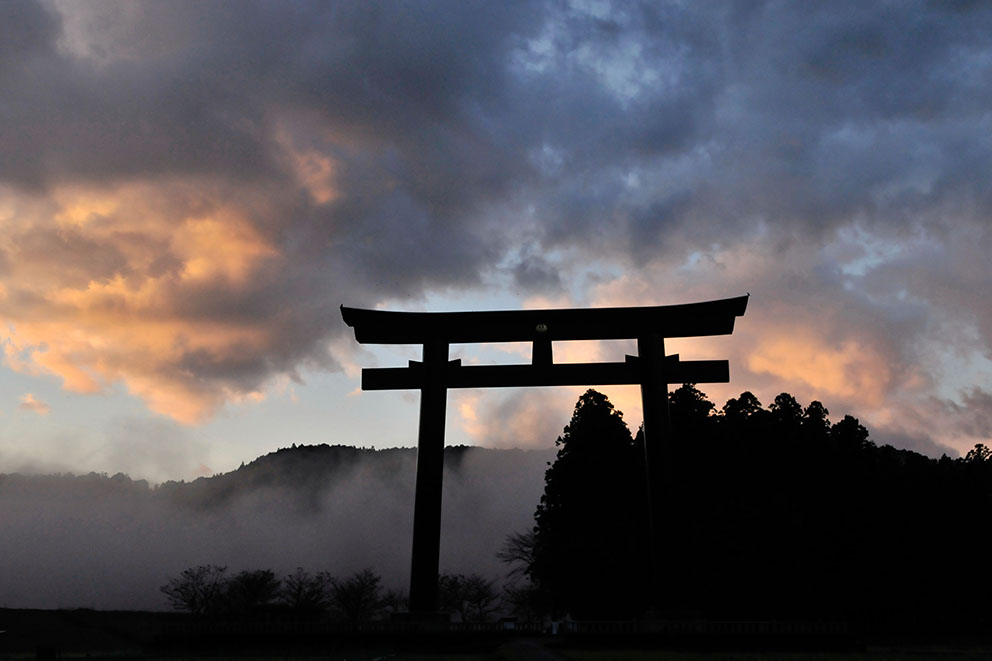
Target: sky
[{"x": 190, "y": 190}]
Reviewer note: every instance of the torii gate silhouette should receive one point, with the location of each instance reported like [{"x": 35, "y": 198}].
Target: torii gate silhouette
[{"x": 650, "y": 369}]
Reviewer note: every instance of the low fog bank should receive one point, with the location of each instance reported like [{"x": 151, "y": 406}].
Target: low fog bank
[{"x": 109, "y": 542}]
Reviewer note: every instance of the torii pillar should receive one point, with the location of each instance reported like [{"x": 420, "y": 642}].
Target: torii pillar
[{"x": 430, "y": 468}]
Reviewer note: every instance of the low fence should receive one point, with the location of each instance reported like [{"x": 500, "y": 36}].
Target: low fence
[
  {"x": 715, "y": 628},
  {"x": 680, "y": 628},
  {"x": 322, "y": 628}
]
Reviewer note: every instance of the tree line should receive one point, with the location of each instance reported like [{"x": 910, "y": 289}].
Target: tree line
[
  {"x": 766, "y": 513},
  {"x": 356, "y": 599}
]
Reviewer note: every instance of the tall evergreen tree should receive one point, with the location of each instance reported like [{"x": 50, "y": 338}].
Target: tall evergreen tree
[{"x": 589, "y": 524}]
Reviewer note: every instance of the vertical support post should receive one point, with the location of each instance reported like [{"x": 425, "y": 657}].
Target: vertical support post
[
  {"x": 541, "y": 352},
  {"x": 430, "y": 466},
  {"x": 657, "y": 448}
]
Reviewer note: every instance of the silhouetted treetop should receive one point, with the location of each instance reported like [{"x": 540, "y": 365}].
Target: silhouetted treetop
[
  {"x": 815, "y": 424},
  {"x": 742, "y": 408},
  {"x": 785, "y": 408},
  {"x": 849, "y": 434},
  {"x": 689, "y": 405},
  {"x": 594, "y": 421},
  {"x": 979, "y": 454}
]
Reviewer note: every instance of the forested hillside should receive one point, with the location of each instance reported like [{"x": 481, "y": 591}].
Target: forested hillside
[{"x": 763, "y": 513}]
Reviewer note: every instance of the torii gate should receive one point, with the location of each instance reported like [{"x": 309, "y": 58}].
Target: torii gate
[{"x": 650, "y": 369}]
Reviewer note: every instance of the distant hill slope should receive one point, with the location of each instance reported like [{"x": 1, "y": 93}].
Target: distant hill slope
[
  {"x": 109, "y": 542},
  {"x": 305, "y": 469}
]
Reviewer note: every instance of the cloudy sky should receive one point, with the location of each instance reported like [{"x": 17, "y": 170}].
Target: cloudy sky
[{"x": 189, "y": 190}]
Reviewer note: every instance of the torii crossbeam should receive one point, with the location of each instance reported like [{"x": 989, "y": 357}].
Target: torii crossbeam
[{"x": 650, "y": 369}]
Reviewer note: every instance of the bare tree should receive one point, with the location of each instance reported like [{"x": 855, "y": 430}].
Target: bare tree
[
  {"x": 472, "y": 597},
  {"x": 395, "y": 601},
  {"x": 524, "y": 600},
  {"x": 305, "y": 593},
  {"x": 518, "y": 552},
  {"x": 521, "y": 596},
  {"x": 482, "y": 599},
  {"x": 252, "y": 591},
  {"x": 358, "y": 598},
  {"x": 197, "y": 590}
]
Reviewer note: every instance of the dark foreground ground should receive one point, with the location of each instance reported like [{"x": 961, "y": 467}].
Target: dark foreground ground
[{"x": 72, "y": 634}]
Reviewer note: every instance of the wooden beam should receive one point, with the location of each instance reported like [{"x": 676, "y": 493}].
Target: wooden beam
[
  {"x": 686, "y": 320},
  {"x": 564, "y": 374}
]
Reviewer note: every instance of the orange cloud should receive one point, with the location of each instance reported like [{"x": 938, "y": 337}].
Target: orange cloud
[
  {"x": 218, "y": 247},
  {"x": 524, "y": 417},
  {"x": 848, "y": 369},
  {"x": 780, "y": 344},
  {"x": 152, "y": 255},
  {"x": 467, "y": 405},
  {"x": 30, "y": 403}
]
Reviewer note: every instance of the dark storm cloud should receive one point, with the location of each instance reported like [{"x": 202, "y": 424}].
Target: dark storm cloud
[
  {"x": 974, "y": 416},
  {"x": 534, "y": 274},
  {"x": 459, "y": 104},
  {"x": 369, "y": 152}
]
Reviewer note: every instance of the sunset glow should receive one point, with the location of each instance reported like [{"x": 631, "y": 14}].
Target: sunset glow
[{"x": 188, "y": 196}]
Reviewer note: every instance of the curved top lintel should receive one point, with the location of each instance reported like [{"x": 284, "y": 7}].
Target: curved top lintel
[{"x": 684, "y": 320}]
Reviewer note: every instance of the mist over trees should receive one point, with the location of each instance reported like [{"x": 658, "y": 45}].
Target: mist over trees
[
  {"x": 109, "y": 542},
  {"x": 772, "y": 513}
]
